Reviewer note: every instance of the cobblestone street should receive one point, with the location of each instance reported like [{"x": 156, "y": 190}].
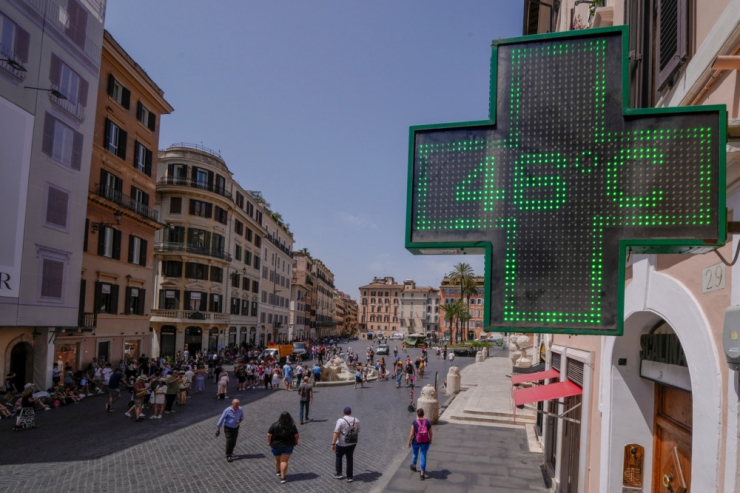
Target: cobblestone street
[{"x": 83, "y": 448}]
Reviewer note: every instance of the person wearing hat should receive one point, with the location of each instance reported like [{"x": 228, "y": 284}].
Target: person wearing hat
[
  {"x": 305, "y": 396},
  {"x": 159, "y": 389},
  {"x": 140, "y": 389},
  {"x": 344, "y": 441},
  {"x": 27, "y": 416}
]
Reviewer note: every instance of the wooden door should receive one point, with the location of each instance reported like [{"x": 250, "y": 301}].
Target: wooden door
[{"x": 672, "y": 440}]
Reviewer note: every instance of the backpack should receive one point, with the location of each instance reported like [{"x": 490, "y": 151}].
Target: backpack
[
  {"x": 351, "y": 435},
  {"x": 422, "y": 432}
]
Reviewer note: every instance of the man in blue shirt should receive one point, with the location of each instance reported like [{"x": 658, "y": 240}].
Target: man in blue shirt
[
  {"x": 316, "y": 373},
  {"x": 230, "y": 419},
  {"x": 114, "y": 388}
]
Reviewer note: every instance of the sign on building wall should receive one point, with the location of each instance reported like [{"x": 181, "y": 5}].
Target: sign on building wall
[
  {"x": 16, "y": 135},
  {"x": 563, "y": 180}
]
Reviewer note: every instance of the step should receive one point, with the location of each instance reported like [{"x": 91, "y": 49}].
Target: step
[{"x": 520, "y": 420}]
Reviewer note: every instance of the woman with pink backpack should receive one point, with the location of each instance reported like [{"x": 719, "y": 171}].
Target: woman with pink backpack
[{"x": 420, "y": 438}]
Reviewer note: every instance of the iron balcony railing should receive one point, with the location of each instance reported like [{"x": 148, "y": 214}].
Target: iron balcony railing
[
  {"x": 87, "y": 320},
  {"x": 124, "y": 200},
  {"x": 197, "y": 147},
  {"x": 167, "y": 246},
  {"x": 189, "y": 182},
  {"x": 6, "y": 53},
  {"x": 58, "y": 17},
  {"x": 74, "y": 109},
  {"x": 190, "y": 315}
]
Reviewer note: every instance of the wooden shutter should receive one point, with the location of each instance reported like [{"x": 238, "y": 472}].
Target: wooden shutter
[
  {"x": 145, "y": 199},
  {"x": 127, "y": 301},
  {"x": 142, "y": 300},
  {"x": 139, "y": 107},
  {"x": 106, "y": 134},
  {"x": 22, "y": 43},
  {"x": 77, "y": 150},
  {"x": 203, "y": 302},
  {"x": 209, "y": 210},
  {"x": 47, "y": 145},
  {"x": 130, "y": 249},
  {"x": 122, "y": 138},
  {"x": 111, "y": 84},
  {"x": 170, "y": 171},
  {"x": 101, "y": 241},
  {"x": 152, "y": 124},
  {"x": 82, "y": 92},
  {"x": 114, "y": 298},
  {"x": 87, "y": 229},
  {"x": 148, "y": 162},
  {"x": 116, "y": 244},
  {"x": 186, "y": 300},
  {"x": 57, "y": 203},
  {"x": 210, "y": 179},
  {"x": 142, "y": 253},
  {"x": 672, "y": 38},
  {"x": 125, "y": 97},
  {"x": 175, "y": 205},
  {"x": 97, "y": 297},
  {"x": 192, "y": 205},
  {"x": 55, "y": 70}
]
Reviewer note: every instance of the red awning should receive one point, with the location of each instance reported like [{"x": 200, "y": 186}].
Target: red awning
[
  {"x": 546, "y": 392},
  {"x": 534, "y": 377}
]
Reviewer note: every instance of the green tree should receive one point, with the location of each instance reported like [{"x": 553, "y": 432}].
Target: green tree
[
  {"x": 470, "y": 288},
  {"x": 458, "y": 275},
  {"x": 463, "y": 318},
  {"x": 451, "y": 311}
]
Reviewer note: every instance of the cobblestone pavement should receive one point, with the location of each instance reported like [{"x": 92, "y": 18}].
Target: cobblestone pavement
[{"x": 83, "y": 448}]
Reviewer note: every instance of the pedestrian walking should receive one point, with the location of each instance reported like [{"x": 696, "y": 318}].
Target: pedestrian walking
[
  {"x": 451, "y": 357},
  {"x": 344, "y": 441},
  {"x": 316, "y": 373},
  {"x": 231, "y": 418},
  {"x": 282, "y": 437},
  {"x": 173, "y": 387},
  {"x": 420, "y": 438},
  {"x": 409, "y": 367},
  {"x": 359, "y": 376},
  {"x": 200, "y": 379},
  {"x": 305, "y": 395},
  {"x": 398, "y": 372},
  {"x": 288, "y": 376},
  {"x": 223, "y": 382},
  {"x": 160, "y": 389},
  {"x": 140, "y": 388},
  {"x": 114, "y": 388}
]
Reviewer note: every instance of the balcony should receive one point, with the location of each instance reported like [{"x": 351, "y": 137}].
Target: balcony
[
  {"x": 7, "y": 53},
  {"x": 58, "y": 17},
  {"x": 283, "y": 248},
  {"x": 190, "y": 315},
  {"x": 189, "y": 182},
  {"x": 74, "y": 109},
  {"x": 87, "y": 320},
  {"x": 119, "y": 198},
  {"x": 167, "y": 246}
]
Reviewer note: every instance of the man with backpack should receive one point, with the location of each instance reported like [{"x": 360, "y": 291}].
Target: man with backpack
[
  {"x": 343, "y": 442},
  {"x": 420, "y": 438}
]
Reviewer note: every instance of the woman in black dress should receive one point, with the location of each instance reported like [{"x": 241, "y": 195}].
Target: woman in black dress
[
  {"x": 282, "y": 437},
  {"x": 27, "y": 416}
]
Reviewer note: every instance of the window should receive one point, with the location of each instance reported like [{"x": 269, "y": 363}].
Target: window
[
  {"x": 76, "y": 23},
  {"x": 68, "y": 82},
  {"x": 245, "y": 283},
  {"x": 175, "y": 205},
  {"x": 240, "y": 200},
  {"x": 136, "y": 250},
  {"x": 250, "y": 209},
  {"x": 255, "y": 286},
  {"x": 172, "y": 268},
  {"x": 218, "y": 243},
  {"x": 196, "y": 301},
  {"x": 247, "y": 257},
  {"x": 234, "y": 280},
  {"x": 146, "y": 117},
  {"x": 135, "y": 301},
  {"x": 248, "y": 234},
  {"x": 194, "y": 270},
  {"x": 216, "y": 303},
  {"x": 254, "y": 309},
  {"x": 175, "y": 234},
  {"x": 264, "y": 296},
  {"x": 199, "y": 239},
  {"x": 140, "y": 199},
  {"x": 106, "y": 298},
  {"x": 264, "y": 273},
  {"x": 200, "y": 208},
  {"x": 262, "y": 317},
  {"x": 220, "y": 185},
  {"x": 118, "y": 93},
  {"x": 245, "y": 307},
  {"x": 258, "y": 217},
  {"x": 61, "y": 143},
  {"x": 235, "y": 306},
  {"x": 52, "y": 278},
  {"x": 269, "y": 318},
  {"x": 200, "y": 178},
  {"x": 238, "y": 252},
  {"x": 115, "y": 139},
  {"x": 257, "y": 263},
  {"x": 221, "y": 215},
  {"x": 257, "y": 241},
  {"x": 142, "y": 159},
  {"x": 57, "y": 207},
  {"x": 109, "y": 243},
  {"x": 169, "y": 299},
  {"x": 238, "y": 227},
  {"x": 14, "y": 41}
]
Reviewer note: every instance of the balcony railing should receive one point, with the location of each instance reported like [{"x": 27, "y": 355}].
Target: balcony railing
[
  {"x": 87, "y": 320},
  {"x": 74, "y": 109},
  {"x": 190, "y": 315},
  {"x": 168, "y": 246},
  {"x": 189, "y": 182},
  {"x": 124, "y": 200},
  {"x": 58, "y": 17},
  {"x": 282, "y": 247},
  {"x": 7, "y": 53}
]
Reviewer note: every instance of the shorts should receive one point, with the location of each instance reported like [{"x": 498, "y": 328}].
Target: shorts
[
  {"x": 114, "y": 393},
  {"x": 281, "y": 450},
  {"x": 358, "y": 380},
  {"x": 139, "y": 403}
]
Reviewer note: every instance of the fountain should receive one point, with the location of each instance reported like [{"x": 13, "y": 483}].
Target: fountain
[{"x": 335, "y": 371}]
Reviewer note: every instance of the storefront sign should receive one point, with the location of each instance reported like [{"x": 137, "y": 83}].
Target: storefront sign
[
  {"x": 663, "y": 360},
  {"x": 562, "y": 180}
]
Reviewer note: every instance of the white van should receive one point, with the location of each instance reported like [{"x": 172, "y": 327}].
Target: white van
[{"x": 398, "y": 336}]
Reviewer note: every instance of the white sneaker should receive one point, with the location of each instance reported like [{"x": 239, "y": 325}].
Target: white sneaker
[
  {"x": 142, "y": 415},
  {"x": 153, "y": 417},
  {"x": 127, "y": 415},
  {"x": 159, "y": 417}
]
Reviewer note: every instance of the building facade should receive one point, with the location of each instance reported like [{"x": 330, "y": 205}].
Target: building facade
[
  {"x": 449, "y": 293},
  {"x": 346, "y": 314},
  {"x": 299, "y": 327},
  {"x": 379, "y": 310},
  {"x": 49, "y": 67},
  {"x": 275, "y": 294},
  {"x": 323, "y": 291},
  {"x": 208, "y": 255},
  {"x": 117, "y": 270},
  {"x": 416, "y": 308},
  {"x": 658, "y": 406}
]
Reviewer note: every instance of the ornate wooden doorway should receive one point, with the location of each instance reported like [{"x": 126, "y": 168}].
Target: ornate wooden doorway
[{"x": 672, "y": 440}]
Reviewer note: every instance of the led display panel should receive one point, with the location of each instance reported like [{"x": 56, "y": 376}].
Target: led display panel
[{"x": 562, "y": 181}]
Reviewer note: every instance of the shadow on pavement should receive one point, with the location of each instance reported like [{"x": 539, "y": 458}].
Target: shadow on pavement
[
  {"x": 304, "y": 476},
  {"x": 250, "y": 456},
  {"x": 443, "y": 474},
  {"x": 368, "y": 477}
]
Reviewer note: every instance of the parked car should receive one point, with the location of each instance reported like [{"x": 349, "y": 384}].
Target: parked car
[
  {"x": 299, "y": 351},
  {"x": 382, "y": 349},
  {"x": 464, "y": 351}
]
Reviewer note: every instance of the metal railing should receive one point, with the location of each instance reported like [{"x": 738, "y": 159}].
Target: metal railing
[
  {"x": 124, "y": 200},
  {"x": 74, "y": 109},
  {"x": 189, "y": 182},
  {"x": 275, "y": 242},
  {"x": 190, "y": 315},
  {"x": 58, "y": 17},
  {"x": 87, "y": 320},
  {"x": 196, "y": 147},
  {"x": 167, "y": 246},
  {"x": 7, "y": 53}
]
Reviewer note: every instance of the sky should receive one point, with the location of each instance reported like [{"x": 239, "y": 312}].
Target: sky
[{"x": 310, "y": 102}]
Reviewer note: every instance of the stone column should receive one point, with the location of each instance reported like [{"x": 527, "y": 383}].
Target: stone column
[
  {"x": 429, "y": 403},
  {"x": 479, "y": 357},
  {"x": 453, "y": 380},
  {"x": 485, "y": 353}
]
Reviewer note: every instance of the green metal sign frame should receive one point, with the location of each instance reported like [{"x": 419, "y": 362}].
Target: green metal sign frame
[{"x": 638, "y": 245}]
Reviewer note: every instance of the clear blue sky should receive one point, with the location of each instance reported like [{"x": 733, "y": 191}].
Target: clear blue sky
[{"x": 310, "y": 102}]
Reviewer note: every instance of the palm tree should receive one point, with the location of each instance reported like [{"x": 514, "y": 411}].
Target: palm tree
[
  {"x": 470, "y": 287},
  {"x": 451, "y": 311},
  {"x": 463, "y": 317},
  {"x": 458, "y": 275}
]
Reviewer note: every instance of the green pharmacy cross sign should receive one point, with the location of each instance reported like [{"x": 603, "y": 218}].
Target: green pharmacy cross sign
[{"x": 563, "y": 181}]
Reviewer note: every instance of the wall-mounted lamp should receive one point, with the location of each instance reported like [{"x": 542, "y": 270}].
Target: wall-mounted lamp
[
  {"x": 101, "y": 225},
  {"x": 14, "y": 65},
  {"x": 53, "y": 92}
]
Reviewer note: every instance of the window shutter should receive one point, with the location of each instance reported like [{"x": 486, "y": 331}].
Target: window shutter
[
  {"x": 209, "y": 210},
  {"x": 148, "y": 163},
  {"x": 170, "y": 171},
  {"x": 183, "y": 171},
  {"x": 145, "y": 197},
  {"x": 138, "y": 110},
  {"x": 130, "y": 249},
  {"x": 55, "y": 70},
  {"x": 22, "y": 43},
  {"x": 142, "y": 300},
  {"x": 57, "y": 203},
  {"x": 106, "y": 134},
  {"x": 114, "y": 297},
  {"x": 210, "y": 179},
  {"x": 194, "y": 175},
  {"x": 77, "y": 151},
  {"x": 125, "y": 97},
  {"x": 101, "y": 241},
  {"x": 87, "y": 228},
  {"x": 192, "y": 206},
  {"x": 672, "y": 38},
  {"x": 111, "y": 84},
  {"x": 187, "y": 300},
  {"x": 122, "y": 138},
  {"x": 203, "y": 302},
  {"x": 152, "y": 124},
  {"x": 116, "y": 244},
  {"x": 47, "y": 145},
  {"x": 96, "y": 297},
  {"x": 127, "y": 304},
  {"x": 175, "y": 205},
  {"x": 82, "y": 92},
  {"x": 142, "y": 253}
]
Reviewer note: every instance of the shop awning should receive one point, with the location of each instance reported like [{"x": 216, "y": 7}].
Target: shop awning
[
  {"x": 534, "y": 377},
  {"x": 546, "y": 392}
]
